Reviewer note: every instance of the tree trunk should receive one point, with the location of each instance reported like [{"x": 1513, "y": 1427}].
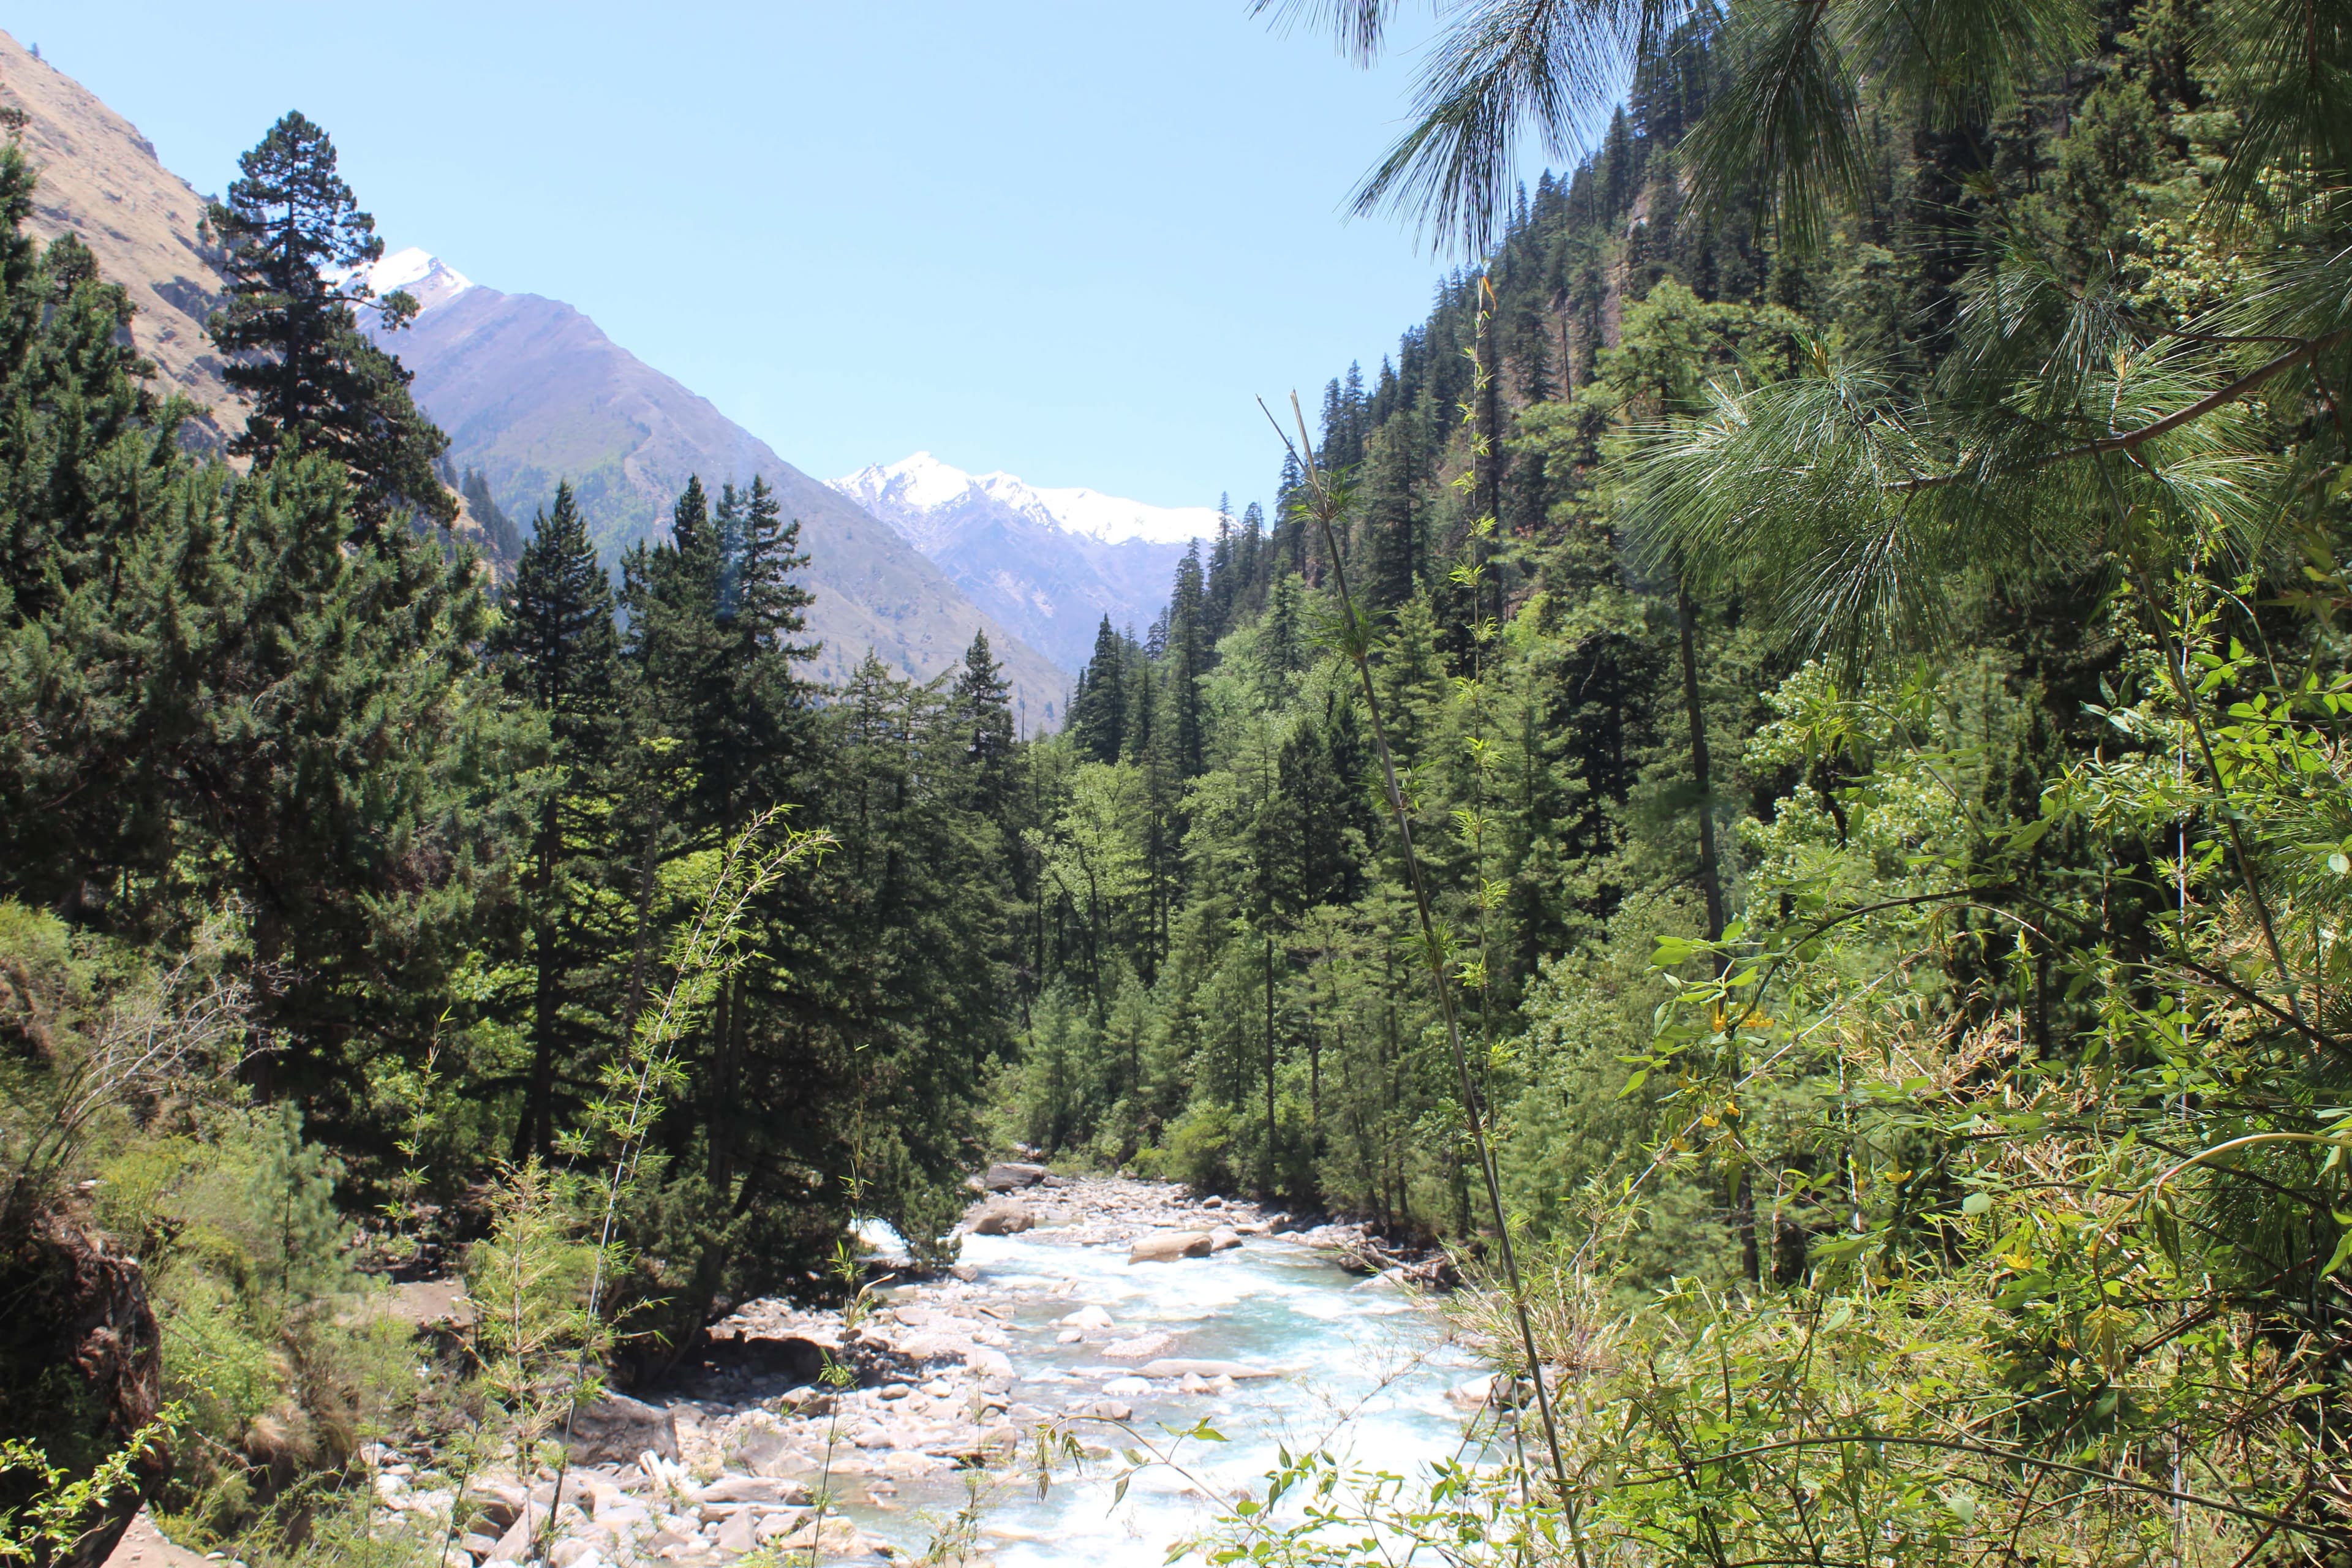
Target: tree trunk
[
  {"x": 535, "y": 1133},
  {"x": 1710, "y": 882},
  {"x": 1269, "y": 1064}
]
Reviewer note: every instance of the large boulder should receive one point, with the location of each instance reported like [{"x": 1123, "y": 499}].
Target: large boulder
[
  {"x": 1012, "y": 1177},
  {"x": 1001, "y": 1217},
  {"x": 1168, "y": 1245},
  {"x": 617, "y": 1429}
]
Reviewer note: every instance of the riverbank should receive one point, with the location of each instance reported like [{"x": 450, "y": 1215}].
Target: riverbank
[{"x": 1086, "y": 1306}]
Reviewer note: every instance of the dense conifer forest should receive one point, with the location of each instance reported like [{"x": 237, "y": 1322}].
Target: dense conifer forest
[{"x": 1781, "y": 752}]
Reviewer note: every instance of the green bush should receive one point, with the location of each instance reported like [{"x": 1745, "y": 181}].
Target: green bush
[{"x": 1200, "y": 1147}]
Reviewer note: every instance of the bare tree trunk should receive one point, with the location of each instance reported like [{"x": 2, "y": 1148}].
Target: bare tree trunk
[{"x": 1710, "y": 882}]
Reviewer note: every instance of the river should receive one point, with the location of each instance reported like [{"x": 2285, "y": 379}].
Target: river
[{"x": 1360, "y": 1365}]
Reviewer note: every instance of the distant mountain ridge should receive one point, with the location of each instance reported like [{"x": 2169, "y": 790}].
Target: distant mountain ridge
[
  {"x": 1049, "y": 563},
  {"x": 532, "y": 391}
]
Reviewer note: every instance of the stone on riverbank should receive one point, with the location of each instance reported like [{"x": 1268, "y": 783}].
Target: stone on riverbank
[
  {"x": 1142, "y": 1347},
  {"x": 1239, "y": 1372},
  {"x": 617, "y": 1429},
  {"x": 1012, "y": 1177},
  {"x": 779, "y": 1491},
  {"x": 1224, "y": 1238},
  {"x": 1001, "y": 1217},
  {"x": 1168, "y": 1245}
]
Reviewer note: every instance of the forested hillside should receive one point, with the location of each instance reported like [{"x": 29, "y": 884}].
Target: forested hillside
[
  {"x": 1848, "y": 589},
  {"x": 1230, "y": 975}
]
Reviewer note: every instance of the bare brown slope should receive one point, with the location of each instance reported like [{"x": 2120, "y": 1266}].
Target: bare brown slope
[
  {"x": 100, "y": 179},
  {"x": 531, "y": 391}
]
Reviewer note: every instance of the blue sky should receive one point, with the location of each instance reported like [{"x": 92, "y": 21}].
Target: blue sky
[{"x": 1070, "y": 240}]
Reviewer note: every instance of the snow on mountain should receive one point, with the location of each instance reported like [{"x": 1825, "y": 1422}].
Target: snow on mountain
[
  {"x": 1050, "y": 564},
  {"x": 430, "y": 279},
  {"x": 924, "y": 484}
]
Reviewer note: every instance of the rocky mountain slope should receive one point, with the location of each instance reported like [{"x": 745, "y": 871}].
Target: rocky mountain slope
[
  {"x": 1048, "y": 563},
  {"x": 101, "y": 178},
  {"x": 531, "y": 391}
]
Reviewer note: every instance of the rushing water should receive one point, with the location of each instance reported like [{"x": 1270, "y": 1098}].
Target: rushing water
[{"x": 1364, "y": 1370}]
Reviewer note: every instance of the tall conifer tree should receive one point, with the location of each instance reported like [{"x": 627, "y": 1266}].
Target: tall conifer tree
[
  {"x": 556, "y": 647},
  {"x": 293, "y": 237}
]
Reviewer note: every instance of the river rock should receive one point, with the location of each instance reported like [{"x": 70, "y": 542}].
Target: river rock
[
  {"x": 498, "y": 1499},
  {"x": 1224, "y": 1238},
  {"x": 1001, "y": 1217},
  {"x": 834, "y": 1536},
  {"x": 1106, "y": 1410},
  {"x": 1239, "y": 1372},
  {"x": 736, "y": 1535},
  {"x": 1474, "y": 1394},
  {"x": 1087, "y": 1317},
  {"x": 1142, "y": 1347},
  {"x": 1167, "y": 1246},
  {"x": 1012, "y": 1177},
  {"x": 988, "y": 1361},
  {"x": 775, "y": 1490},
  {"x": 1127, "y": 1387},
  {"x": 768, "y": 1455},
  {"x": 617, "y": 1429}
]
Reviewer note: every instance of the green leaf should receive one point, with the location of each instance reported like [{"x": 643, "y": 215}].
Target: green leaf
[{"x": 1976, "y": 1204}]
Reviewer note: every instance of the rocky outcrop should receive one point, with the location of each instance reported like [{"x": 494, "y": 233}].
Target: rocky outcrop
[{"x": 1005, "y": 1177}]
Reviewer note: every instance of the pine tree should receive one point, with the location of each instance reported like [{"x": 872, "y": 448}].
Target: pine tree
[
  {"x": 556, "y": 647},
  {"x": 983, "y": 711},
  {"x": 1188, "y": 660},
  {"x": 1098, "y": 706},
  {"x": 290, "y": 232}
]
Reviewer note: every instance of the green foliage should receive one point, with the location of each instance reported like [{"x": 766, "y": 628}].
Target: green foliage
[{"x": 56, "y": 1522}]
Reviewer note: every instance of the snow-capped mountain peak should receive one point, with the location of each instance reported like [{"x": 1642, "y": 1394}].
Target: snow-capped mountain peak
[
  {"x": 430, "y": 279},
  {"x": 1047, "y": 563},
  {"x": 922, "y": 484}
]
